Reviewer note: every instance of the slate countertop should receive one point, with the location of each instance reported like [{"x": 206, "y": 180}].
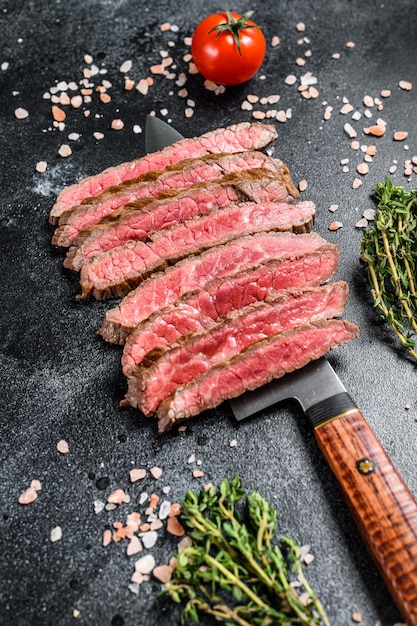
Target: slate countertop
[{"x": 61, "y": 382}]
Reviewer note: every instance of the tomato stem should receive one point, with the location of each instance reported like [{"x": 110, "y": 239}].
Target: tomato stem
[{"x": 234, "y": 26}]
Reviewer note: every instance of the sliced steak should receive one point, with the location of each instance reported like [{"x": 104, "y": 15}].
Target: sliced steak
[
  {"x": 221, "y": 296},
  {"x": 153, "y": 184},
  {"x": 167, "y": 367},
  {"x": 257, "y": 365},
  {"x": 137, "y": 221},
  {"x": 193, "y": 273},
  {"x": 235, "y": 138},
  {"x": 128, "y": 265}
]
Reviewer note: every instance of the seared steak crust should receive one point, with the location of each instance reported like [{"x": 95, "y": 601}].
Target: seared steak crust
[
  {"x": 167, "y": 367},
  {"x": 163, "y": 288},
  {"x": 219, "y": 297},
  {"x": 139, "y": 220},
  {"x": 103, "y": 275},
  {"x": 235, "y": 138},
  {"x": 253, "y": 367},
  {"x": 152, "y": 184}
]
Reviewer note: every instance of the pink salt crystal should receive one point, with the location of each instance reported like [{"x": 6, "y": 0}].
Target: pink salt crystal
[{"x": 28, "y": 496}]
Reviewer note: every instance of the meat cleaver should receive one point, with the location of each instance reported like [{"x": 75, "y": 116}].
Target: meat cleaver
[{"x": 381, "y": 504}]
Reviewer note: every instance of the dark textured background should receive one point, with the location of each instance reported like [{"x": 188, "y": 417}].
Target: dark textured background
[{"x": 60, "y": 381}]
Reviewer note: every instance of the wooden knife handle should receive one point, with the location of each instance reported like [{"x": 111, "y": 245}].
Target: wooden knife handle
[{"x": 382, "y": 505}]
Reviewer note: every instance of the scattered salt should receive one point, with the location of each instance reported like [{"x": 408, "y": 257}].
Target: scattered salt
[
  {"x": 145, "y": 564},
  {"x": 156, "y": 472},
  {"x": 21, "y": 113},
  {"x": 41, "y": 166},
  {"x": 62, "y": 446},
  {"x": 56, "y": 534},
  {"x": 149, "y": 539}
]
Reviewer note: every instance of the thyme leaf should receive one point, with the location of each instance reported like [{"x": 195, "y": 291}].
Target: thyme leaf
[
  {"x": 233, "y": 570},
  {"x": 389, "y": 250}
]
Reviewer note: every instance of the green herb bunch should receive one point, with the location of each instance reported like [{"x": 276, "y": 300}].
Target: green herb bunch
[
  {"x": 232, "y": 571},
  {"x": 389, "y": 248}
]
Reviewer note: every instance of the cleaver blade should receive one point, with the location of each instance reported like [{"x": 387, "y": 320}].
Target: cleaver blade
[
  {"x": 380, "y": 502},
  {"x": 159, "y": 134}
]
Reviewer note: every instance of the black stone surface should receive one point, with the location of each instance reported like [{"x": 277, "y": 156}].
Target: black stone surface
[{"x": 60, "y": 381}]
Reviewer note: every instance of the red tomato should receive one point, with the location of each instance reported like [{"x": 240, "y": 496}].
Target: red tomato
[{"x": 228, "y": 48}]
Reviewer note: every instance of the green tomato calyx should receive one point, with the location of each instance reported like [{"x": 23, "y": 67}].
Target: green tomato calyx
[{"x": 234, "y": 26}]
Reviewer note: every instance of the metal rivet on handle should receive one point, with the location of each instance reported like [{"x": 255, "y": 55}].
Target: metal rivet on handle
[{"x": 365, "y": 466}]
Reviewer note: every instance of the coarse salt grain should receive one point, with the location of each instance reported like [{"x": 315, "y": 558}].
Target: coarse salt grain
[
  {"x": 116, "y": 497},
  {"x": 134, "y": 546},
  {"x": 376, "y": 130},
  {"x": 275, "y": 41},
  {"x": 300, "y": 27},
  {"x": 302, "y": 185},
  {"x": 62, "y": 446},
  {"x": 76, "y": 102},
  {"x": 137, "y": 474},
  {"x": 164, "y": 509},
  {"x": 198, "y": 473},
  {"x": 142, "y": 86},
  {"x": 333, "y": 207},
  {"x": 65, "y": 150},
  {"x": 362, "y": 223},
  {"x": 156, "y": 472},
  {"x": 21, "y": 113},
  {"x": 99, "y": 136},
  {"x": 163, "y": 573},
  {"x": 117, "y": 124},
  {"x": 174, "y": 527},
  {"x": 327, "y": 113},
  {"x": 357, "y": 617},
  {"x": 400, "y": 135},
  {"x": 58, "y": 114},
  {"x": 233, "y": 443},
  {"x": 406, "y": 85},
  {"x": 290, "y": 79},
  {"x": 56, "y": 534},
  {"x": 356, "y": 183},
  {"x": 149, "y": 539},
  {"x": 362, "y": 168},
  {"x": 346, "y": 108},
  {"x": 145, "y": 564},
  {"x": 369, "y": 214},
  {"x": 335, "y": 225},
  {"x": 126, "y": 66},
  {"x": 28, "y": 496},
  {"x": 349, "y": 130},
  {"x": 98, "y": 506},
  {"x": 41, "y": 166}
]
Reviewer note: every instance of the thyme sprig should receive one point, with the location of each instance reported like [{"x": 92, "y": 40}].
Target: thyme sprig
[
  {"x": 232, "y": 570},
  {"x": 389, "y": 248}
]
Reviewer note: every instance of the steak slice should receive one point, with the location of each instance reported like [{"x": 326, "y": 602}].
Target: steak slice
[
  {"x": 137, "y": 221},
  {"x": 184, "y": 174},
  {"x": 128, "y": 265},
  {"x": 221, "y": 296},
  {"x": 255, "y": 366},
  {"x": 194, "y": 272},
  {"x": 235, "y": 138},
  {"x": 167, "y": 367}
]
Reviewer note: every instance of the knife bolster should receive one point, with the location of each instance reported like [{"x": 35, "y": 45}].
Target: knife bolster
[{"x": 330, "y": 409}]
